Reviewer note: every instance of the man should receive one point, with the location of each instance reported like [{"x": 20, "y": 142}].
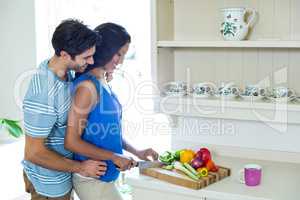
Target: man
[{"x": 47, "y": 164}]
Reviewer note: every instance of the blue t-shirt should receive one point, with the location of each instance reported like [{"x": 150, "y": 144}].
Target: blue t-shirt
[
  {"x": 103, "y": 127},
  {"x": 45, "y": 106}
]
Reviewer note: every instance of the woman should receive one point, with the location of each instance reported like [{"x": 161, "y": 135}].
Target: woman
[{"x": 94, "y": 123}]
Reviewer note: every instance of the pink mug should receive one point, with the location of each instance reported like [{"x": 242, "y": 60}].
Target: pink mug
[{"x": 251, "y": 174}]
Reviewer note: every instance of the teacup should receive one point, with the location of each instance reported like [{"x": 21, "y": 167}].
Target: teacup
[
  {"x": 282, "y": 92},
  {"x": 175, "y": 88},
  {"x": 229, "y": 90},
  {"x": 254, "y": 90},
  {"x": 251, "y": 175},
  {"x": 203, "y": 90}
]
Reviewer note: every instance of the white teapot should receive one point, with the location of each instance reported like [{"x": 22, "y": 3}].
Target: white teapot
[{"x": 234, "y": 26}]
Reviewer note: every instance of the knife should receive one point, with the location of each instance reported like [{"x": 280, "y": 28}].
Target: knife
[{"x": 148, "y": 164}]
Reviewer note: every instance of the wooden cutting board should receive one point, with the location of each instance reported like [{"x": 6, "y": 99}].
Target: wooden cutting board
[{"x": 178, "y": 178}]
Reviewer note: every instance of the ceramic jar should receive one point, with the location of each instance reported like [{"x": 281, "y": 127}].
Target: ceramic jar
[{"x": 234, "y": 26}]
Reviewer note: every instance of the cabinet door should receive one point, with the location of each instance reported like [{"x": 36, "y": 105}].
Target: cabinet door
[{"x": 149, "y": 194}]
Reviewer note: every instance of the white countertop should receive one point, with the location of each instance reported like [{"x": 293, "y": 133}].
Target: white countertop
[{"x": 280, "y": 181}]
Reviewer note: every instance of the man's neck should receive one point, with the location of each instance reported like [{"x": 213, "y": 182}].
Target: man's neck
[{"x": 58, "y": 67}]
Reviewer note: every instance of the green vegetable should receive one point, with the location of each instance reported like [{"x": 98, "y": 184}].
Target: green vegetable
[
  {"x": 177, "y": 155},
  {"x": 180, "y": 167},
  {"x": 168, "y": 167},
  {"x": 167, "y": 158},
  {"x": 190, "y": 168}
]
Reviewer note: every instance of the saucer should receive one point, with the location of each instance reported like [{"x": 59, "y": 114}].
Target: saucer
[
  {"x": 201, "y": 95},
  {"x": 282, "y": 99},
  {"x": 175, "y": 94},
  {"x": 251, "y": 98},
  {"x": 228, "y": 97}
]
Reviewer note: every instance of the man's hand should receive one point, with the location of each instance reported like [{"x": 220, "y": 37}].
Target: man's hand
[
  {"x": 123, "y": 162},
  {"x": 147, "y": 154},
  {"x": 92, "y": 168}
]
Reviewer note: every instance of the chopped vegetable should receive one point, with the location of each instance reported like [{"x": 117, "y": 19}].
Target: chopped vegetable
[
  {"x": 168, "y": 167},
  {"x": 167, "y": 158},
  {"x": 180, "y": 167},
  {"x": 190, "y": 168}
]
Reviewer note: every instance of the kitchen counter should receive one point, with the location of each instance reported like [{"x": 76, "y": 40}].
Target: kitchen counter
[{"x": 280, "y": 181}]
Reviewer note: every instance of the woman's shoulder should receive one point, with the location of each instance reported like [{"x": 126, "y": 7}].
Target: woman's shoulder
[
  {"x": 85, "y": 94},
  {"x": 86, "y": 85},
  {"x": 85, "y": 81}
]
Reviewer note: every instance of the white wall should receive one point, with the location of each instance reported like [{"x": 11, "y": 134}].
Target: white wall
[{"x": 17, "y": 50}]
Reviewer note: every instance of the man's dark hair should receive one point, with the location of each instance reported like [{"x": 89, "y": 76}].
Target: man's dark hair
[{"x": 74, "y": 37}]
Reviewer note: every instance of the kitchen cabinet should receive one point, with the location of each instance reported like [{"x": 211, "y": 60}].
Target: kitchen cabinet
[{"x": 187, "y": 46}]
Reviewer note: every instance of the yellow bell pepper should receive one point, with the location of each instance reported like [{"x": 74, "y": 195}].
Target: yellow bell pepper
[
  {"x": 186, "y": 156},
  {"x": 202, "y": 172}
]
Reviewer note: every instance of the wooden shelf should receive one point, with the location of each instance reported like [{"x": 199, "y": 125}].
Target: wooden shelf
[
  {"x": 275, "y": 112},
  {"x": 230, "y": 44}
]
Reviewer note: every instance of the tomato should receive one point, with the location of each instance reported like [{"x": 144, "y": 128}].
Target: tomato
[
  {"x": 215, "y": 169},
  {"x": 210, "y": 165}
]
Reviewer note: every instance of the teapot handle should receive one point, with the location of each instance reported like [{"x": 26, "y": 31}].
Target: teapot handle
[{"x": 252, "y": 18}]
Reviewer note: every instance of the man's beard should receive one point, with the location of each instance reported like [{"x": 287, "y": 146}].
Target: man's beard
[{"x": 80, "y": 68}]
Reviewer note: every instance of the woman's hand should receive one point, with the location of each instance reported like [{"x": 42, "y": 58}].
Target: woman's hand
[
  {"x": 147, "y": 154},
  {"x": 123, "y": 162}
]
